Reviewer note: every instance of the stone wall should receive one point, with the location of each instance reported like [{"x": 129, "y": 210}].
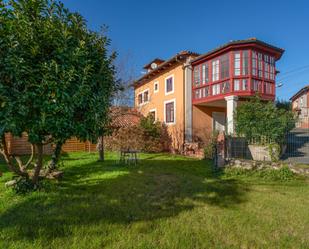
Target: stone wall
[{"x": 259, "y": 165}]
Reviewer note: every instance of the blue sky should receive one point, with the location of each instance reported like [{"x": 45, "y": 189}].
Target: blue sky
[{"x": 142, "y": 30}]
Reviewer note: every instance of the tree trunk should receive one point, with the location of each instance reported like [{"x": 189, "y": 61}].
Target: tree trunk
[
  {"x": 9, "y": 161},
  {"x": 39, "y": 164},
  {"x": 101, "y": 149},
  {"x": 55, "y": 157}
]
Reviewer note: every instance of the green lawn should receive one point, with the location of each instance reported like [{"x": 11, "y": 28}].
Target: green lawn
[{"x": 165, "y": 202}]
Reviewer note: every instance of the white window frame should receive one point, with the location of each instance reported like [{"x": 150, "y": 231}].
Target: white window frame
[
  {"x": 143, "y": 100},
  {"x": 237, "y": 83},
  {"x": 155, "y": 111},
  {"x": 173, "y": 80},
  {"x": 237, "y": 66},
  {"x": 154, "y": 86},
  {"x": 216, "y": 89},
  {"x": 215, "y": 70},
  {"x": 167, "y": 102}
]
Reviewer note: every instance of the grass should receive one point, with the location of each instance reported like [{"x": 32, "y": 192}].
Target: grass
[{"x": 164, "y": 202}]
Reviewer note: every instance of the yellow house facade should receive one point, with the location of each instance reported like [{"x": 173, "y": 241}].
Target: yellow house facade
[{"x": 161, "y": 92}]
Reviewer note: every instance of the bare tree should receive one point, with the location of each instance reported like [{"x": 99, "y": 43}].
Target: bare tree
[{"x": 126, "y": 74}]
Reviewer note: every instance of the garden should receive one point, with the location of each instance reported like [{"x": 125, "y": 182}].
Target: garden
[{"x": 165, "y": 201}]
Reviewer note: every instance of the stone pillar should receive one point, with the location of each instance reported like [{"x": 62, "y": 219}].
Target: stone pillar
[
  {"x": 188, "y": 100},
  {"x": 231, "y": 105}
]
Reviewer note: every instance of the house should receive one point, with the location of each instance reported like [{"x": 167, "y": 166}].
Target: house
[
  {"x": 198, "y": 94},
  {"x": 300, "y": 104}
]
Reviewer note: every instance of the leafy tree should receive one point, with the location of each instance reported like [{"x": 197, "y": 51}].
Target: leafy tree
[
  {"x": 263, "y": 121},
  {"x": 284, "y": 104},
  {"x": 56, "y": 77}
]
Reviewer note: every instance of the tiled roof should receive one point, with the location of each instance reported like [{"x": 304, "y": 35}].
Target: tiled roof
[
  {"x": 163, "y": 66},
  {"x": 124, "y": 117},
  {"x": 238, "y": 42},
  {"x": 304, "y": 89},
  {"x": 156, "y": 60}
]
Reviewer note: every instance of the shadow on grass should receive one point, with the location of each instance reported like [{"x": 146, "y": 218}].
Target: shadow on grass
[{"x": 105, "y": 193}]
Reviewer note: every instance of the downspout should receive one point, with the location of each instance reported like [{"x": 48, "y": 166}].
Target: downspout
[
  {"x": 183, "y": 103},
  {"x": 184, "y": 107}
]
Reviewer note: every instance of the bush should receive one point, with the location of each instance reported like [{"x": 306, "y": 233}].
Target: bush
[
  {"x": 24, "y": 186},
  {"x": 210, "y": 148},
  {"x": 283, "y": 174},
  {"x": 263, "y": 122},
  {"x": 147, "y": 136}
]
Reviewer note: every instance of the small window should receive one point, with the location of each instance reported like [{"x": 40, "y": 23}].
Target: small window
[
  {"x": 205, "y": 73},
  {"x": 140, "y": 98},
  {"x": 245, "y": 62},
  {"x": 226, "y": 87},
  {"x": 143, "y": 97},
  {"x": 244, "y": 84},
  {"x": 237, "y": 64},
  {"x": 169, "y": 85},
  {"x": 260, "y": 69},
  {"x": 197, "y": 76},
  {"x": 153, "y": 114},
  {"x": 254, "y": 63},
  {"x": 216, "y": 89},
  {"x": 170, "y": 112},
  {"x": 146, "y": 96},
  {"x": 215, "y": 70},
  {"x": 236, "y": 85},
  {"x": 156, "y": 87}
]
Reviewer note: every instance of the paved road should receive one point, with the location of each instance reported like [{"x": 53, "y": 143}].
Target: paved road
[{"x": 298, "y": 146}]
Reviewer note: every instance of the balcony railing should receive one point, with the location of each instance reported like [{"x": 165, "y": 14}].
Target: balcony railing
[{"x": 239, "y": 87}]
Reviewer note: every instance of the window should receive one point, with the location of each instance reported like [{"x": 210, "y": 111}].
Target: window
[
  {"x": 268, "y": 88},
  {"x": 215, "y": 70},
  {"x": 224, "y": 66},
  {"x": 206, "y": 91},
  {"x": 153, "y": 113},
  {"x": 169, "y": 85},
  {"x": 272, "y": 68},
  {"x": 140, "y": 98},
  {"x": 169, "y": 108},
  {"x": 245, "y": 85},
  {"x": 156, "y": 87},
  {"x": 266, "y": 66},
  {"x": 216, "y": 89},
  {"x": 197, "y": 76},
  {"x": 260, "y": 60},
  {"x": 143, "y": 97},
  {"x": 254, "y": 63},
  {"x": 237, "y": 64},
  {"x": 245, "y": 62},
  {"x": 146, "y": 96},
  {"x": 236, "y": 85},
  {"x": 205, "y": 73},
  {"x": 256, "y": 85},
  {"x": 226, "y": 87}
]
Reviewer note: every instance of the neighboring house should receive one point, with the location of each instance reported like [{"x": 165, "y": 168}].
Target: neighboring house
[
  {"x": 197, "y": 94},
  {"x": 300, "y": 104}
]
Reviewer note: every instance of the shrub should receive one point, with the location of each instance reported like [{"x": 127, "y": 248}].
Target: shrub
[
  {"x": 24, "y": 186},
  {"x": 147, "y": 136},
  {"x": 283, "y": 174},
  {"x": 210, "y": 148},
  {"x": 263, "y": 122}
]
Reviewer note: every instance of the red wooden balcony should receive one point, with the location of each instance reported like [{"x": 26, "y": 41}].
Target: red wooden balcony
[{"x": 242, "y": 69}]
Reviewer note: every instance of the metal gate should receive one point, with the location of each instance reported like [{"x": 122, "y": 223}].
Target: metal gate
[{"x": 297, "y": 150}]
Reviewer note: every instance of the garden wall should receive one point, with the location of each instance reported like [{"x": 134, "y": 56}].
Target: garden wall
[{"x": 21, "y": 146}]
